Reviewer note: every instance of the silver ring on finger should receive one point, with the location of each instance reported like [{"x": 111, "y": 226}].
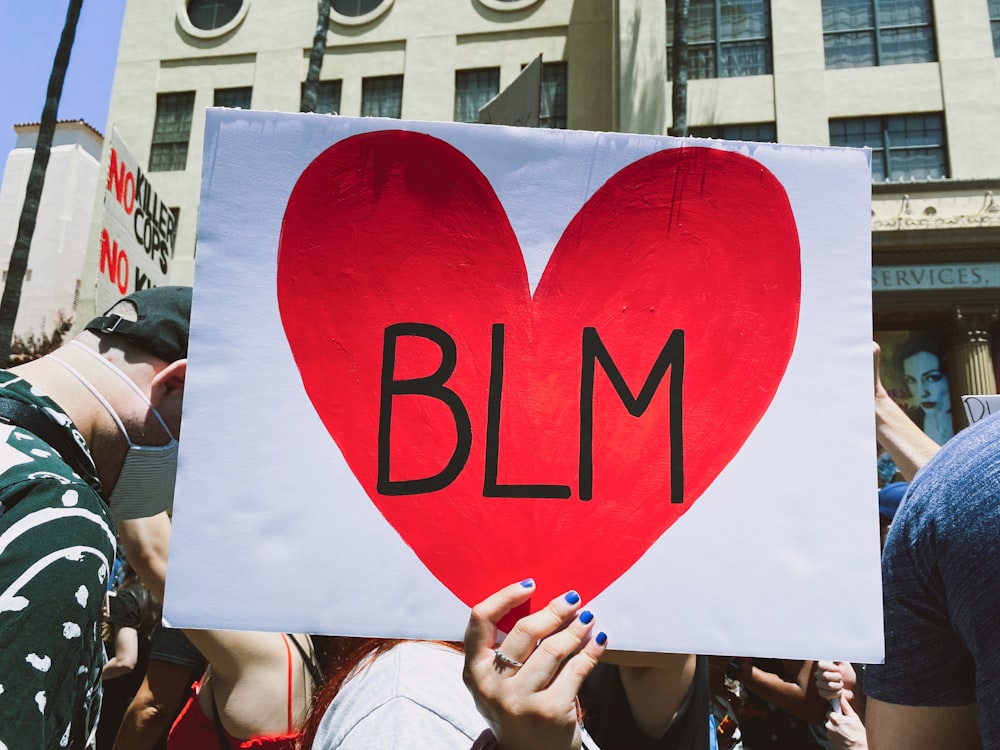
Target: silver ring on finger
[{"x": 505, "y": 661}]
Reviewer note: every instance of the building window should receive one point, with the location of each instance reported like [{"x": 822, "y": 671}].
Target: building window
[
  {"x": 508, "y": 4},
  {"x": 171, "y": 131},
  {"x": 726, "y": 38},
  {"x": 760, "y": 132},
  {"x": 473, "y": 88},
  {"x": 238, "y": 98},
  {"x": 904, "y": 147},
  {"x": 212, "y": 14},
  {"x": 327, "y": 97},
  {"x": 861, "y": 33},
  {"x": 995, "y": 25},
  {"x": 175, "y": 212},
  {"x": 382, "y": 96},
  {"x": 553, "y": 105},
  {"x": 354, "y": 8}
]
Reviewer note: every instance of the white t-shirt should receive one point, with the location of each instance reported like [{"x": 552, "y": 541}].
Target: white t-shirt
[{"x": 411, "y": 696}]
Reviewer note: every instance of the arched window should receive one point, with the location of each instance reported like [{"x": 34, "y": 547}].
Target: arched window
[
  {"x": 353, "y": 8},
  {"x": 212, "y": 14},
  {"x": 508, "y": 4}
]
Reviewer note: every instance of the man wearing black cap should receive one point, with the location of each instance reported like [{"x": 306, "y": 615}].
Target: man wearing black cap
[{"x": 92, "y": 425}]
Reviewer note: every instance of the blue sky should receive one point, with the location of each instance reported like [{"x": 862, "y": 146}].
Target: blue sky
[{"x": 29, "y": 36}]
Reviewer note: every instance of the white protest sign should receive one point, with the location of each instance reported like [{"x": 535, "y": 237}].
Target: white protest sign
[
  {"x": 431, "y": 359},
  {"x": 137, "y": 230},
  {"x": 979, "y": 407}
]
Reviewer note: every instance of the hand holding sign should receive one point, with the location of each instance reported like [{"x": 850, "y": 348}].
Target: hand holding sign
[{"x": 527, "y": 691}]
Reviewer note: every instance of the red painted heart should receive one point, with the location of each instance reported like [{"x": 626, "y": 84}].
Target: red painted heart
[{"x": 448, "y": 388}]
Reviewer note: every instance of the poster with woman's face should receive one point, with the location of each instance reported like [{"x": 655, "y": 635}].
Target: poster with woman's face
[{"x": 914, "y": 371}]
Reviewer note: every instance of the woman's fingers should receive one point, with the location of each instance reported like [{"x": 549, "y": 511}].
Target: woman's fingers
[
  {"x": 520, "y": 643},
  {"x": 567, "y": 683},
  {"x": 549, "y": 657},
  {"x": 481, "y": 632},
  {"x": 532, "y": 705}
]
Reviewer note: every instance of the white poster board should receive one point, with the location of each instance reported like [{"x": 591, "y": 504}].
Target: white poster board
[
  {"x": 431, "y": 359},
  {"x": 137, "y": 230}
]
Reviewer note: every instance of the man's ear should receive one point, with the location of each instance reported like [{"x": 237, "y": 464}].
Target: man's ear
[{"x": 168, "y": 381}]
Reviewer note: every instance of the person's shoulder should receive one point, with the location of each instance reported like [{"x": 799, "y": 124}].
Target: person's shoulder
[
  {"x": 413, "y": 676},
  {"x": 423, "y": 671},
  {"x": 32, "y": 470},
  {"x": 966, "y": 468}
]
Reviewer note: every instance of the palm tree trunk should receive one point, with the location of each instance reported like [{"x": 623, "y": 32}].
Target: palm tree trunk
[
  {"x": 310, "y": 90},
  {"x": 11, "y": 300},
  {"x": 680, "y": 65}
]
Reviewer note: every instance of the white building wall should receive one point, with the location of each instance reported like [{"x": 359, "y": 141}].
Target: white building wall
[{"x": 59, "y": 244}]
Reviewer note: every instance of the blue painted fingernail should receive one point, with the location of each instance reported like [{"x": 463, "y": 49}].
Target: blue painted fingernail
[
  {"x": 601, "y": 638},
  {"x": 586, "y": 616},
  {"x": 572, "y": 597},
  {"x": 528, "y": 583}
]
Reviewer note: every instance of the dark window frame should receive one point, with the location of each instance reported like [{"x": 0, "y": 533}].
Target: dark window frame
[
  {"x": 209, "y": 15},
  {"x": 994, "y": 11},
  {"x": 328, "y": 96},
  {"x": 171, "y": 135},
  {"x": 712, "y": 66},
  {"x": 886, "y": 154},
  {"x": 554, "y": 110},
  {"x": 473, "y": 87},
  {"x": 878, "y": 31},
  {"x": 234, "y": 97},
  {"x": 756, "y": 132},
  {"x": 359, "y": 7},
  {"x": 374, "y": 87}
]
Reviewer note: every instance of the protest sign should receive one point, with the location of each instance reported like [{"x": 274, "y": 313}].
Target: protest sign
[
  {"x": 431, "y": 359},
  {"x": 137, "y": 230},
  {"x": 977, "y": 408}
]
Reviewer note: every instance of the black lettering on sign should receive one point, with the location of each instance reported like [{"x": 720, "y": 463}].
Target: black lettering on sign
[
  {"x": 431, "y": 386},
  {"x": 490, "y": 486},
  {"x": 672, "y": 357}
]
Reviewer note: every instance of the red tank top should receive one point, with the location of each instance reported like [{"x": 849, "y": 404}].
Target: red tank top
[{"x": 192, "y": 730}]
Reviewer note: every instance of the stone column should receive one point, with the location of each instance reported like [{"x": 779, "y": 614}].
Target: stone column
[{"x": 971, "y": 366}]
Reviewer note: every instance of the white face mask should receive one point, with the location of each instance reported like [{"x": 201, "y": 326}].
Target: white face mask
[{"x": 146, "y": 481}]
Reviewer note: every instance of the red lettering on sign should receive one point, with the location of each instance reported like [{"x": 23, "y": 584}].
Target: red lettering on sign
[
  {"x": 122, "y": 183},
  {"x": 114, "y": 262}
]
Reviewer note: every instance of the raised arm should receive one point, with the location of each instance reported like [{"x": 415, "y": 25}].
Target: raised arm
[
  {"x": 126, "y": 653},
  {"x": 146, "y": 541},
  {"x": 799, "y": 697},
  {"x": 908, "y": 445}
]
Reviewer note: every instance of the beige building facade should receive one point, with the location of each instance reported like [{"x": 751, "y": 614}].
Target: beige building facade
[{"x": 917, "y": 81}]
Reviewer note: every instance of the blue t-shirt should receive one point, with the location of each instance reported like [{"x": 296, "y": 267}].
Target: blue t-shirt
[{"x": 941, "y": 583}]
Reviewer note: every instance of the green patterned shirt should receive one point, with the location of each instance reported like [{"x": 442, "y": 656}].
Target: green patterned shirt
[{"x": 57, "y": 546}]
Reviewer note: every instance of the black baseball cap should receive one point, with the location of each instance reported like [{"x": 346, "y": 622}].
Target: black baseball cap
[{"x": 163, "y": 320}]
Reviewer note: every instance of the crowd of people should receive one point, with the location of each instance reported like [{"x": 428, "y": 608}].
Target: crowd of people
[{"x": 94, "y": 426}]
